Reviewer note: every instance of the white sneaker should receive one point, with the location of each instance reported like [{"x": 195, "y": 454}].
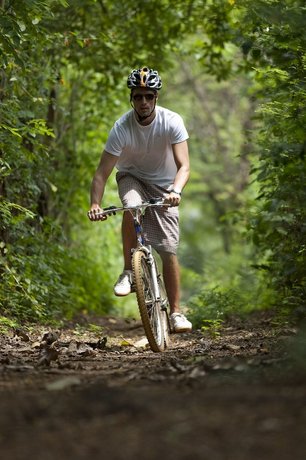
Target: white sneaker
[
  {"x": 123, "y": 285},
  {"x": 180, "y": 323}
]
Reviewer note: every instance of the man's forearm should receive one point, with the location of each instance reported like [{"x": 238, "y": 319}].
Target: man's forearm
[
  {"x": 181, "y": 178},
  {"x": 101, "y": 176},
  {"x": 97, "y": 190}
]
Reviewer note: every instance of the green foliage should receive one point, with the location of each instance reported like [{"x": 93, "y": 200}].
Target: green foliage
[
  {"x": 279, "y": 223},
  {"x": 215, "y": 253},
  {"x": 62, "y": 84},
  {"x": 212, "y": 327},
  {"x": 7, "y": 324},
  {"x": 271, "y": 36},
  {"x": 217, "y": 303}
]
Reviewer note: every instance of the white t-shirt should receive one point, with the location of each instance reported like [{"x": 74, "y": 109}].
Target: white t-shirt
[{"x": 146, "y": 151}]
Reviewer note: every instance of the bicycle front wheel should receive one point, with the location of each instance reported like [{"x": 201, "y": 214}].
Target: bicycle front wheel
[{"x": 150, "y": 310}]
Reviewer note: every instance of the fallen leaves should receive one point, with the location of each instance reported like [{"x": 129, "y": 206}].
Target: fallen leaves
[
  {"x": 142, "y": 343},
  {"x": 48, "y": 354},
  {"x": 49, "y": 351},
  {"x": 63, "y": 383},
  {"x": 21, "y": 334},
  {"x": 51, "y": 348},
  {"x": 118, "y": 352}
]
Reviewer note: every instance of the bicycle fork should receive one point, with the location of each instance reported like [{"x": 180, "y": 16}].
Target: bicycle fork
[
  {"x": 163, "y": 302},
  {"x": 153, "y": 273},
  {"x": 150, "y": 259}
]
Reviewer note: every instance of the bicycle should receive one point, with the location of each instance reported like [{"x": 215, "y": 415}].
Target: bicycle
[{"x": 147, "y": 280}]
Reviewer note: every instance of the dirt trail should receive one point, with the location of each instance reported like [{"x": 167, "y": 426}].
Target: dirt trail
[{"x": 95, "y": 390}]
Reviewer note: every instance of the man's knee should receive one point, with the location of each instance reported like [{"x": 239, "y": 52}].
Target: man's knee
[{"x": 167, "y": 256}]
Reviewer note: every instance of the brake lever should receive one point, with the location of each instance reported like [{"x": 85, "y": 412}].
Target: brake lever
[{"x": 108, "y": 211}]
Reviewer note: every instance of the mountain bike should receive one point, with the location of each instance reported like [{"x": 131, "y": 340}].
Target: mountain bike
[{"x": 147, "y": 280}]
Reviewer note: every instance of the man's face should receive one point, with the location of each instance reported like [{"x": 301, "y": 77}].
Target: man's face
[{"x": 144, "y": 100}]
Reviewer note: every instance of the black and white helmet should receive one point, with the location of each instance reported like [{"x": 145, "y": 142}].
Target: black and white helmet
[{"x": 144, "y": 78}]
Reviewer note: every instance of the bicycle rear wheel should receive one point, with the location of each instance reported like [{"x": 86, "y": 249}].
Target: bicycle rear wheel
[{"x": 150, "y": 310}]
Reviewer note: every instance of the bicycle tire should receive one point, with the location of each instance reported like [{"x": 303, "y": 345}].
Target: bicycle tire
[{"x": 150, "y": 310}]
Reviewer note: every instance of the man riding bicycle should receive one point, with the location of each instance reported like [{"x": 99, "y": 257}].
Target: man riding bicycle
[{"x": 148, "y": 146}]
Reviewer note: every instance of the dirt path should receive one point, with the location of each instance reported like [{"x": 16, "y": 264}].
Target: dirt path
[{"x": 98, "y": 392}]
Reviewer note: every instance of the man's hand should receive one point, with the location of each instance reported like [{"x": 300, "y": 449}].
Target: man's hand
[
  {"x": 94, "y": 211},
  {"x": 173, "y": 199}
]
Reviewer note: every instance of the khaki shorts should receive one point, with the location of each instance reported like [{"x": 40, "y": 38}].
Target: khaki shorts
[{"x": 160, "y": 225}]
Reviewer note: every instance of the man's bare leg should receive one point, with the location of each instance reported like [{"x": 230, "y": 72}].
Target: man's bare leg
[{"x": 171, "y": 274}]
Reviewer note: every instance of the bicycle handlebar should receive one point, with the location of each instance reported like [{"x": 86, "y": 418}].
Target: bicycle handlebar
[{"x": 111, "y": 210}]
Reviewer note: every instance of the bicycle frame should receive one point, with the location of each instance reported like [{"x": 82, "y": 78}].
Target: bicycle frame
[{"x": 137, "y": 212}]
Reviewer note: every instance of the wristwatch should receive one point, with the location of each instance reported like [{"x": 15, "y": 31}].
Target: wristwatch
[{"x": 175, "y": 191}]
